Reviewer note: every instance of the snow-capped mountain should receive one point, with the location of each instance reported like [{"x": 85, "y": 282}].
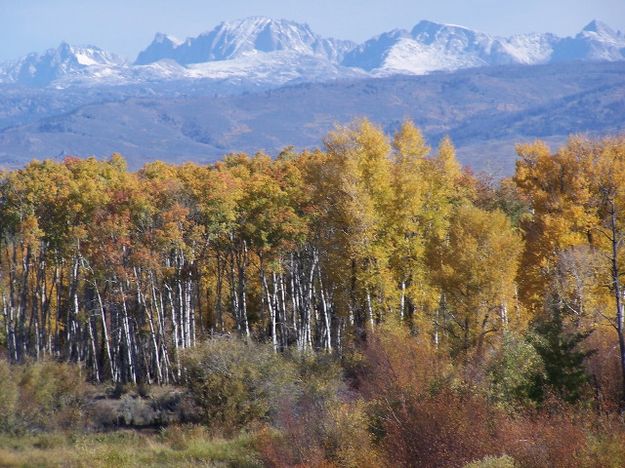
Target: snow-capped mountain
[
  {"x": 234, "y": 39},
  {"x": 66, "y": 59},
  {"x": 597, "y": 41},
  {"x": 444, "y": 47},
  {"x": 162, "y": 47},
  {"x": 260, "y": 52}
]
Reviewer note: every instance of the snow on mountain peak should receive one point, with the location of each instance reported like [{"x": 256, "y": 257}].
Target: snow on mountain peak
[
  {"x": 434, "y": 46},
  {"x": 162, "y": 47},
  {"x": 232, "y": 39},
  {"x": 430, "y": 28},
  {"x": 162, "y": 38},
  {"x": 260, "y": 49},
  {"x": 597, "y": 41},
  {"x": 41, "y": 69},
  {"x": 427, "y": 47},
  {"x": 599, "y": 27}
]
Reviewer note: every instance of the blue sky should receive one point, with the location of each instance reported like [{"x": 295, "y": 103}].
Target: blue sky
[{"x": 127, "y": 26}]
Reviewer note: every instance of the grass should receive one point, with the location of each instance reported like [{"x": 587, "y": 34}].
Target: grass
[{"x": 175, "y": 446}]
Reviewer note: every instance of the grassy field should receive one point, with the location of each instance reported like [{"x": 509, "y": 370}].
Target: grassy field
[{"x": 175, "y": 446}]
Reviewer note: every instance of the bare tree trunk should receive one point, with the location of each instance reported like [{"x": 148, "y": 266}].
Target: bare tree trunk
[
  {"x": 272, "y": 310},
  {"x": 127, "y": 337},
  {"x": 175, "y": 330},
  {"x": 107, "y": 341},
  {"x": 618, "y": 296},
  {"x": 370, "y": 309},
  {"x": 326, "y": 315},
  {"x": 94, "y": 350},
  {"x": 402, "y": 301}
]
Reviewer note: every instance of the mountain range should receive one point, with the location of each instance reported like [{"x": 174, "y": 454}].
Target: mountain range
[
  {"x": 263, "y": 84},
  {"x": 260, "y": 51}
]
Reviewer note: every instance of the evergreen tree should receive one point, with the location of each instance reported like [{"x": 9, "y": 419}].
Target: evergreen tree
[{"x": 562, "y": 355}]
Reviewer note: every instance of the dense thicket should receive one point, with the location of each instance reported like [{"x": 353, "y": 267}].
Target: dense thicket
[{"x": 121, "y": 271}]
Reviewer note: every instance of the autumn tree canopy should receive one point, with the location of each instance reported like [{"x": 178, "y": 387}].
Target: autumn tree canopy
[{"x": 121, "y": 270}]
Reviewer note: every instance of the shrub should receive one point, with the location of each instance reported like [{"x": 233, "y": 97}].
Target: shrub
[
  {"x": 440, "y": 430},
  {"x": 515, "y": 373},
  {"x": 335, "y": 435},
  {"x": 545, "y": 439},
  {"x": 40, "y": 396},
  {"x": 607, "y": 448},
  {"x": 395, "y": 361},
  {"x": 51, "y": 395},
  {"x": 348, "y": 440},
  {"x": 9, "y": 395},
  {"x": 420, "y": 412},
  {"x": 604, "y": 368},
  {"x": 234, "y": 383}
]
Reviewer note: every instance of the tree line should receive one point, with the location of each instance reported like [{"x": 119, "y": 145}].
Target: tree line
[{"x": 121, "y": 271}]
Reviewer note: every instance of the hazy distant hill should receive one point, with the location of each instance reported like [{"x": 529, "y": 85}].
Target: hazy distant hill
[{"x": 484, "y": 110}]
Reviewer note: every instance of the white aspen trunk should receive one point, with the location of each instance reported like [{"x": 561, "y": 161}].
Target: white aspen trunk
[
  {"x": 51, "y": 332},
  {"x": 181, "y": 314},
  {"x": 504, "y": 315},
  {"x": 272, "y": 312},
  {"x": 234, "y": 296},
  {"x": 190, "y": 312},
  {"x": 437, "y": 321},
  {"x": 127, "y": 337},
  {"x": 175, "y": 326},
  {"x": 7, "y": 311},
  {"x": 243, "y": 285},
  {"x": 402, "y": 301},
  {"x": 74, "y": 319},
  {"x": 295, "y": 307},
  {"x": 310, "y": 306},
  {"x": 21, "y": 311},
  {"x": 157, "y": 360},
  {"x": 107, "y": 343},
  {"x": 369, "y": 309},
  {"x": 618, "y": 294},
  {"x": 43, "y": 304},
  {"x": 156, "y": 334},
  {"x": 326, "y": 315},
  {"x": 160, "y": 320},
  {"x": 275, "y": 297},
  {"x": 283, "y": 321},
  {"x": 117, "y": 324},
  {"x": 218, "y": 288},
  {"x": 436, "y": 337},
  {"x": 339, "y": 337},
  {"x": 298, "y": 312},
  {"x": 94, "y": 351}
]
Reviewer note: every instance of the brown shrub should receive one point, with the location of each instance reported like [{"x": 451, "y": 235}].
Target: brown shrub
[
  {"x": 40, "y": 396},
  {"x": 322, "y": 425},
  {"x": 424, "y": 412},
  {"x": 603, "y": 366},
  {"x": 421, "y": 413},
  {"x": 235, "y": 384},
  {"x": 396, "y": 362},
  {"x": 545, "y": 440},
  {"x": 337, "y": 436},
  {"x": 9, "y": 397},
  {"x": 606, "y": 442},
  {"x": 439, "y": 430}
]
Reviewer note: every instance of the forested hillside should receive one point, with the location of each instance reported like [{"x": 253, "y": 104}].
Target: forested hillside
[
  {"x": 427, "y": 282},
  {"x": 486, "y": 111}
]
